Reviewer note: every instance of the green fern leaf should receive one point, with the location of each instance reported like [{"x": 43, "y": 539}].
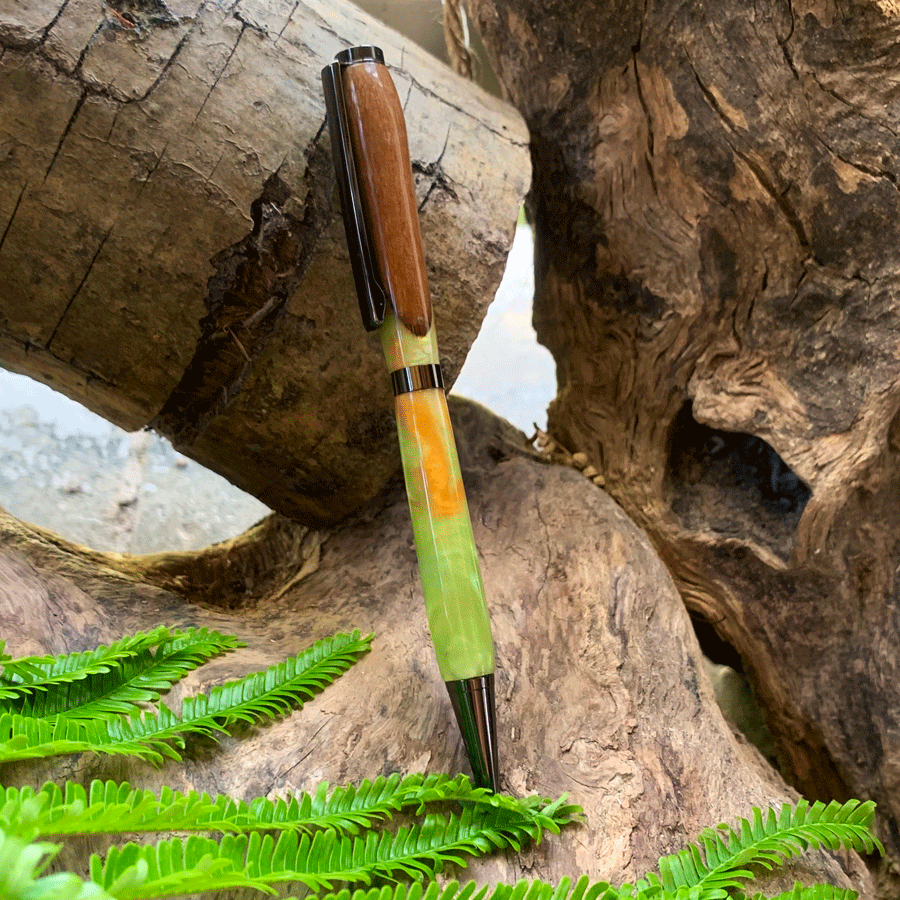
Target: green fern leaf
[
  {"x": 720, "y": 861},
  {"x": 146, "y": 735},
  {"x": 351, "y": 808},
  {"x": 31, "y": 673},
  {"x": 424, "y": 848},
  {"x": 417, "y": 891},
  {"x": 139, "y": 678},
  {"x": 318, "y": 860},
  {"x": 847, "y": 824},
  {"x": 109, "y": 807},
  {"x": 26, "y": 667},
  {"x": 141, "y": 737},
  {"x": 278, "y": 689},
  {"x": 583, "y": 889},
  {"x": 812, "y": 892},
  {"x": 21, "y": 866}
]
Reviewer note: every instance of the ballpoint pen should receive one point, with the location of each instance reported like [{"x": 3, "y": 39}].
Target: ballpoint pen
[{"x": 371, "y": 156}]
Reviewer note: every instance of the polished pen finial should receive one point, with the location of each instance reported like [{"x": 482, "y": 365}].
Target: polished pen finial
[{"x": 366, "y": 53}]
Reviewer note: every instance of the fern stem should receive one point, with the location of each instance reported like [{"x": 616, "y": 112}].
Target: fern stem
[
  {"x": 812, "y": 892},
  {"x": 770, "y": 839},
  {"x": 109, "y": 807}
]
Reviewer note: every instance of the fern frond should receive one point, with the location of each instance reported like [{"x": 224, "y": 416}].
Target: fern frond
[
  {"x": 21, "y": 865},
  {"x": 280, "y": 688},
  {"x": 143, "y": 737},
  {"x": 317, "y": 861},
  {"x": 27, "y": 666},
  {"x": 111, "y": 807},
  {"x": 583, "y": 889},
  {"x": 33, "y": 672},
  {"x": 139, "y": 678},
  {"x": 30, "y": 674},
  {"x": 146, "y": 735},
  {"x": 812, "y": 892},
  {"x": 107, "y": 807},
  {"x": 427, "y": 891},
  {"x": 721, "y": 859},
  {"x": 353, "y": 807}
]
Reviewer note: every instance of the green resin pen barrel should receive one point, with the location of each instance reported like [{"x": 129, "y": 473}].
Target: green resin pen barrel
[{"x": 448, "y": 561}]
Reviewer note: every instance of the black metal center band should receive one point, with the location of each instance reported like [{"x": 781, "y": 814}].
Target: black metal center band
[
  {"x": 417, "y": 378},
  {"x": 366, "y": 53}
]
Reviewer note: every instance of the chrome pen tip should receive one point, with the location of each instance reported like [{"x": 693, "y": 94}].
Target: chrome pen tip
[{"x": 474, "y": 706}]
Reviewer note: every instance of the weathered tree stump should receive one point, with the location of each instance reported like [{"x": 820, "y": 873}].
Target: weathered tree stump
[
  {"x": 171, "y": 250},
  {"x": 601, "y": 689},
  {"x": 715, "y": 205}
]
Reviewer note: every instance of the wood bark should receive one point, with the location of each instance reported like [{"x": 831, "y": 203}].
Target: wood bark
[
  {"x": 601, "y": 689},
  {"x": 715, "y": 203},
  {"x": 171, "y": 250}
]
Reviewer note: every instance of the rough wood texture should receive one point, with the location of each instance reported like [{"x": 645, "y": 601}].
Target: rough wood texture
[
  {"x": 715, "y": 203},
  {"x": 171, "y": 250},
  {"x": 601, "y": 691}
]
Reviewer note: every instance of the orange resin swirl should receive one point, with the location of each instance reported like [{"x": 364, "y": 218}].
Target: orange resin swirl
[{"x": 426, "y": 421}]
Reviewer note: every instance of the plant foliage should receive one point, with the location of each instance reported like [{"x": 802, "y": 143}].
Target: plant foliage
[
  {"x": 320, "y": 859},
  {"x": 31, "y": 674},
  {"x": 720, "y": 859},
  {"x": 582, "y": 889},
  {"x": 111, "y": 807},
  {"x": 136, "y": 678},
  {"x": 155, "y": 734},
  {"x": 329, "y": 840},
  {"x": 21, "y": 867}
]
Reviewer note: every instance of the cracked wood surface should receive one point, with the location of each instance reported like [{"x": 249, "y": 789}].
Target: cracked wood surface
[
  {"x": 601, "y": 689},
  {"x": 715, "y": 204},
  {"x": 171, "y": 251}
]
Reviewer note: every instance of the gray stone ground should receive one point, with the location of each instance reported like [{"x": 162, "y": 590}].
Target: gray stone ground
[
  {"x": 68, "y": 470},
  {"x": 107, "y": 489}
]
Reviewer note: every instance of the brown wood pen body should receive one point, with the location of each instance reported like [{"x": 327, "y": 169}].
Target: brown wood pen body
[{"x": 381, "y": 155}]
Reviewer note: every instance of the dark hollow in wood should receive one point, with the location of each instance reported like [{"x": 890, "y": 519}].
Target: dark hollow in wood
[{"x": 736, "y": 482}]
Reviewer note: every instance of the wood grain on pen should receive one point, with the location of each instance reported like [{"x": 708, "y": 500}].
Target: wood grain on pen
[{"x": 381, "y": 152}]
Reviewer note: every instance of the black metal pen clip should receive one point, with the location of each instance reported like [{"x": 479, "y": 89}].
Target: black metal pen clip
[{"x": 372, "y": 299}]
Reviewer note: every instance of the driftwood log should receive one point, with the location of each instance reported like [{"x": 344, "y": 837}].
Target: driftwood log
[
  {"x": 715, "y": 205},
  {"x": 171, "y": 251},
  {"x": 601, "y": 687}
]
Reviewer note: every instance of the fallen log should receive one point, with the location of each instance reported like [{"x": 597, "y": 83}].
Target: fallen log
[{"x": 171, "y": 250}]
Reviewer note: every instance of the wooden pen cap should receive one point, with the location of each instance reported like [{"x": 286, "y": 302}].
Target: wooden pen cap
[{"x": 378, "y": 137}]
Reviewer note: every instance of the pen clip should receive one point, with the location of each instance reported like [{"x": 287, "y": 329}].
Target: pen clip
[{"x": 371, "y": 294}]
